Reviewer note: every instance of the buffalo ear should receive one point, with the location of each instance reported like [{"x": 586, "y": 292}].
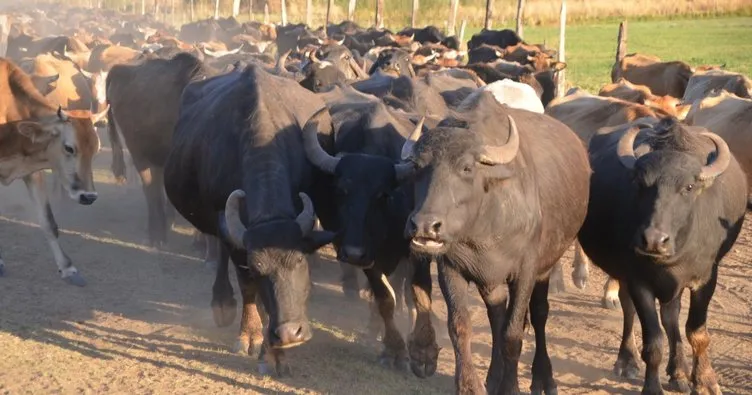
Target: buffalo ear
[
  {"x": 34, "y": 132},
  {"x": 316, "y": 240}
]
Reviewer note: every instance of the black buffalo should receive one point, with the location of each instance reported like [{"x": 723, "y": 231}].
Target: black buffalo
[
  {"x": 500, "y": 38},
  {"x": 660, "y": 221},
  {"x": 235, "y": 170},
  {"x": 372, "y": 208},
  {"x": 500, "y": 194}
]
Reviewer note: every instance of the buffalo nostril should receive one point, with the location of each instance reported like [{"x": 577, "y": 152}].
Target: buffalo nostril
[
  {"x": 663, "y": 239},
  {"x": 289, "y": 333},
  {"x": 435, "y": 227}
]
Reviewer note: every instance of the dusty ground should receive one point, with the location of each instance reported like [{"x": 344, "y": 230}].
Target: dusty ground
[{"x": 143, "y": 324}]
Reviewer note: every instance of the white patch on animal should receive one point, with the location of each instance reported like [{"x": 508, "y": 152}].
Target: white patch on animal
[
  {"x": 101, "y": 87},
  {"x": 513, "y": 94}
]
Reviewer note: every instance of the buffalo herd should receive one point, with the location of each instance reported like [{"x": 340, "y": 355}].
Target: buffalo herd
[{"x": 401, "y": 149}]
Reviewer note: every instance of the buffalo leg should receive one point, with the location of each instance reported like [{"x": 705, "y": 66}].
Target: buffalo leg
[
  {"x": 455, "y": 290},
  {"x": 626, "y": 362},
  {"x": 251, "y": 334},
  {"x": 213, "y": 246},
  {"x": 350, "y": 281},
  {"x": 557, "y": 279},
  {"x": 581, "y": 265},
  {"x": 704, "y": 380},
  {"x": 269, "y": 356},
  {"x": 395, "y": 351},
  {"x": 152, "y": 181},
  {"x": 652, "y": 336},
  {"x": 611, "y": 294},
  {"x": 520, "y": 292},
  {"x": 677, "y": 364},
  {"x": 495, "y": 300},
  {"x": 223, "y": 303},
  {"x": 2, "y": 265},
  {"x": 35, "y": 184},
  {"x": 543, "y": 376},
  {"x": 424, "y": 352}
]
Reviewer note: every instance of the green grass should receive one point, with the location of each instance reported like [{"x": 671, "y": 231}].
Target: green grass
[{"x": 591, "y": 48}]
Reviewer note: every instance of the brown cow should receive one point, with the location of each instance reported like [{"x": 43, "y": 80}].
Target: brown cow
[
  {"x": 585, "y": 114},
  {"x": 703, "y": 83},
  {"x": 730, "y": 117},
  {"x": 663, "y": 78},
  {"x": 37, "y": 135},
  {"x": 641, "y": 94}
]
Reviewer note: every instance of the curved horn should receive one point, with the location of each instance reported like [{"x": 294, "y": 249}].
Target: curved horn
[
  {"x": 722, "y": 160},
  {"x": 61, "y": 114},
  {"x": 208, "y": 52},
  {"x": 500, "y": 154},
  {"x": 625, "y": 148},
  {"x": 407, "y": 148},
  {"x": 280, "y": 66},
  {"x": 404, "y": 170},
  {"x": 307, "y": 218},
  {"x": 359, "y": 72},
  {"x": 98, "y": 116},
  {"x": 235, "y": 227},
  {"x": 313, "y": 150}
]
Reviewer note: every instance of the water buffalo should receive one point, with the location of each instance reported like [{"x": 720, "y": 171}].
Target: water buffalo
[
  {"x": 500, "y": 194},
  {"x": 235, "y": 170},
  {"x": 660, "y": 219}
]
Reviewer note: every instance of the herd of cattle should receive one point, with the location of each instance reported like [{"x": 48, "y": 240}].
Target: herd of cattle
[{"x": 408, "y": 151}]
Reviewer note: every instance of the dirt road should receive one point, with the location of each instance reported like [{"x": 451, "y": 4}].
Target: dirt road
[{"x": 143, "y": 324}]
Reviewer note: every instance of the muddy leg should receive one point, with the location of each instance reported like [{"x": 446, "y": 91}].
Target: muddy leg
[
  {"x": 626, "y": 362},
  {"x": 395, "y": 352},
  {"x": 611, "y": 294},
  {"x": 496, "y": 308},
  {"x": 581, "y": 267},
  {"x": 704, "y": 380},
  {"x": 251, "y": 334},
  {"x": 677, "y": 364},
  {"x": 557, "y": 279},
  {"x": 543, "y": 376},
  {"x": 223, "y": 303},
  {"x": 455, "y": 287},
  {"x": 35, "y": 184},
  {"x": 520, "y": 292},
  {"x": 424, "y": 352},
  {"x": 152, "y": 182},
  {"x": 652, "y": 336}
]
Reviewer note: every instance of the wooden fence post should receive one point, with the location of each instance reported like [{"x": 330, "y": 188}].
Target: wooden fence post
[
  {"x": 266, "y": 11},
  {"x": 283, "y": 5},
  {"x": 520, "y": 12},
  {"x": 454, "y": 5},
  {"x": 489, "y": 15},
  {"x": 379, "y": 14},
  {"x": 193, "y": 11},
  {"x": 250, "y": 10},
  {"x": 216, "y": 9},
  {"x": 4, "y": 31},
  {"x": 621, "y": 42},
  {"x": 561, "y": 81},
  {"x": 461, "y": 36},
  {"x": 328, "y": 15},
  {"x": 235, "y": 8},
  {"x": 309, "y": 13},
  {"x": 414, "y": 14},
  {"x": 143, "y": 7},
  {"x": 351, "y": 10}
]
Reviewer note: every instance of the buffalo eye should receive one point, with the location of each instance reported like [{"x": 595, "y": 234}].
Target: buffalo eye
[
  {"x": 689, "y": 188},
  {"x": 70, "y": 150}
]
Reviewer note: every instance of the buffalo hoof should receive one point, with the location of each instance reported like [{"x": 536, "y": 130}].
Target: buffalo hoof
[
  {"x": 679, "y": 385},
  {"x": 627, "y": 368},
  {"x": 75, "y": 279},
  {"x": 544, "y": 391},
  {"x": 281, "y": 370},
  {"x": 610, "y": 301},
  {"x": 121, "y": 180},
  {"x": 580, "y": 277},
  {"x": 707, "y": 389},
  {"x": 423, "y": 358},
  {"x": 396, "y": 362},
  {"x": 557, "y": 285},
  {"x": 224, "y": 311}
]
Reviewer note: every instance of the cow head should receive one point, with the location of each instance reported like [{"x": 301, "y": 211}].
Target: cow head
[
  {"x": 395, "y": 62},
  {"x": 668, "y": 181},
  {"x": 365, "y": 193},
  {"x": 275, "y": 259},
  {"x": 322, "y": 75},
  {"x": 71, "y": 144},
  {"x": 455, "y": 172}
]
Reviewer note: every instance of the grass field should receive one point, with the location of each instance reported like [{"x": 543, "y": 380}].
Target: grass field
[{"x": 591, "y": 48}]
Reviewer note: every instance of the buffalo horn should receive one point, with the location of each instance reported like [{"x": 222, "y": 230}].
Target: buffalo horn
[
  {"x": 235, "y": 227},
  {"x": 306, "y": 219},
  {"x": 313, "y": 150},
  {"x": 500, "y": 154},
  {"x": 721, "y": 162},
  {"x": 407, "y": 148}
]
